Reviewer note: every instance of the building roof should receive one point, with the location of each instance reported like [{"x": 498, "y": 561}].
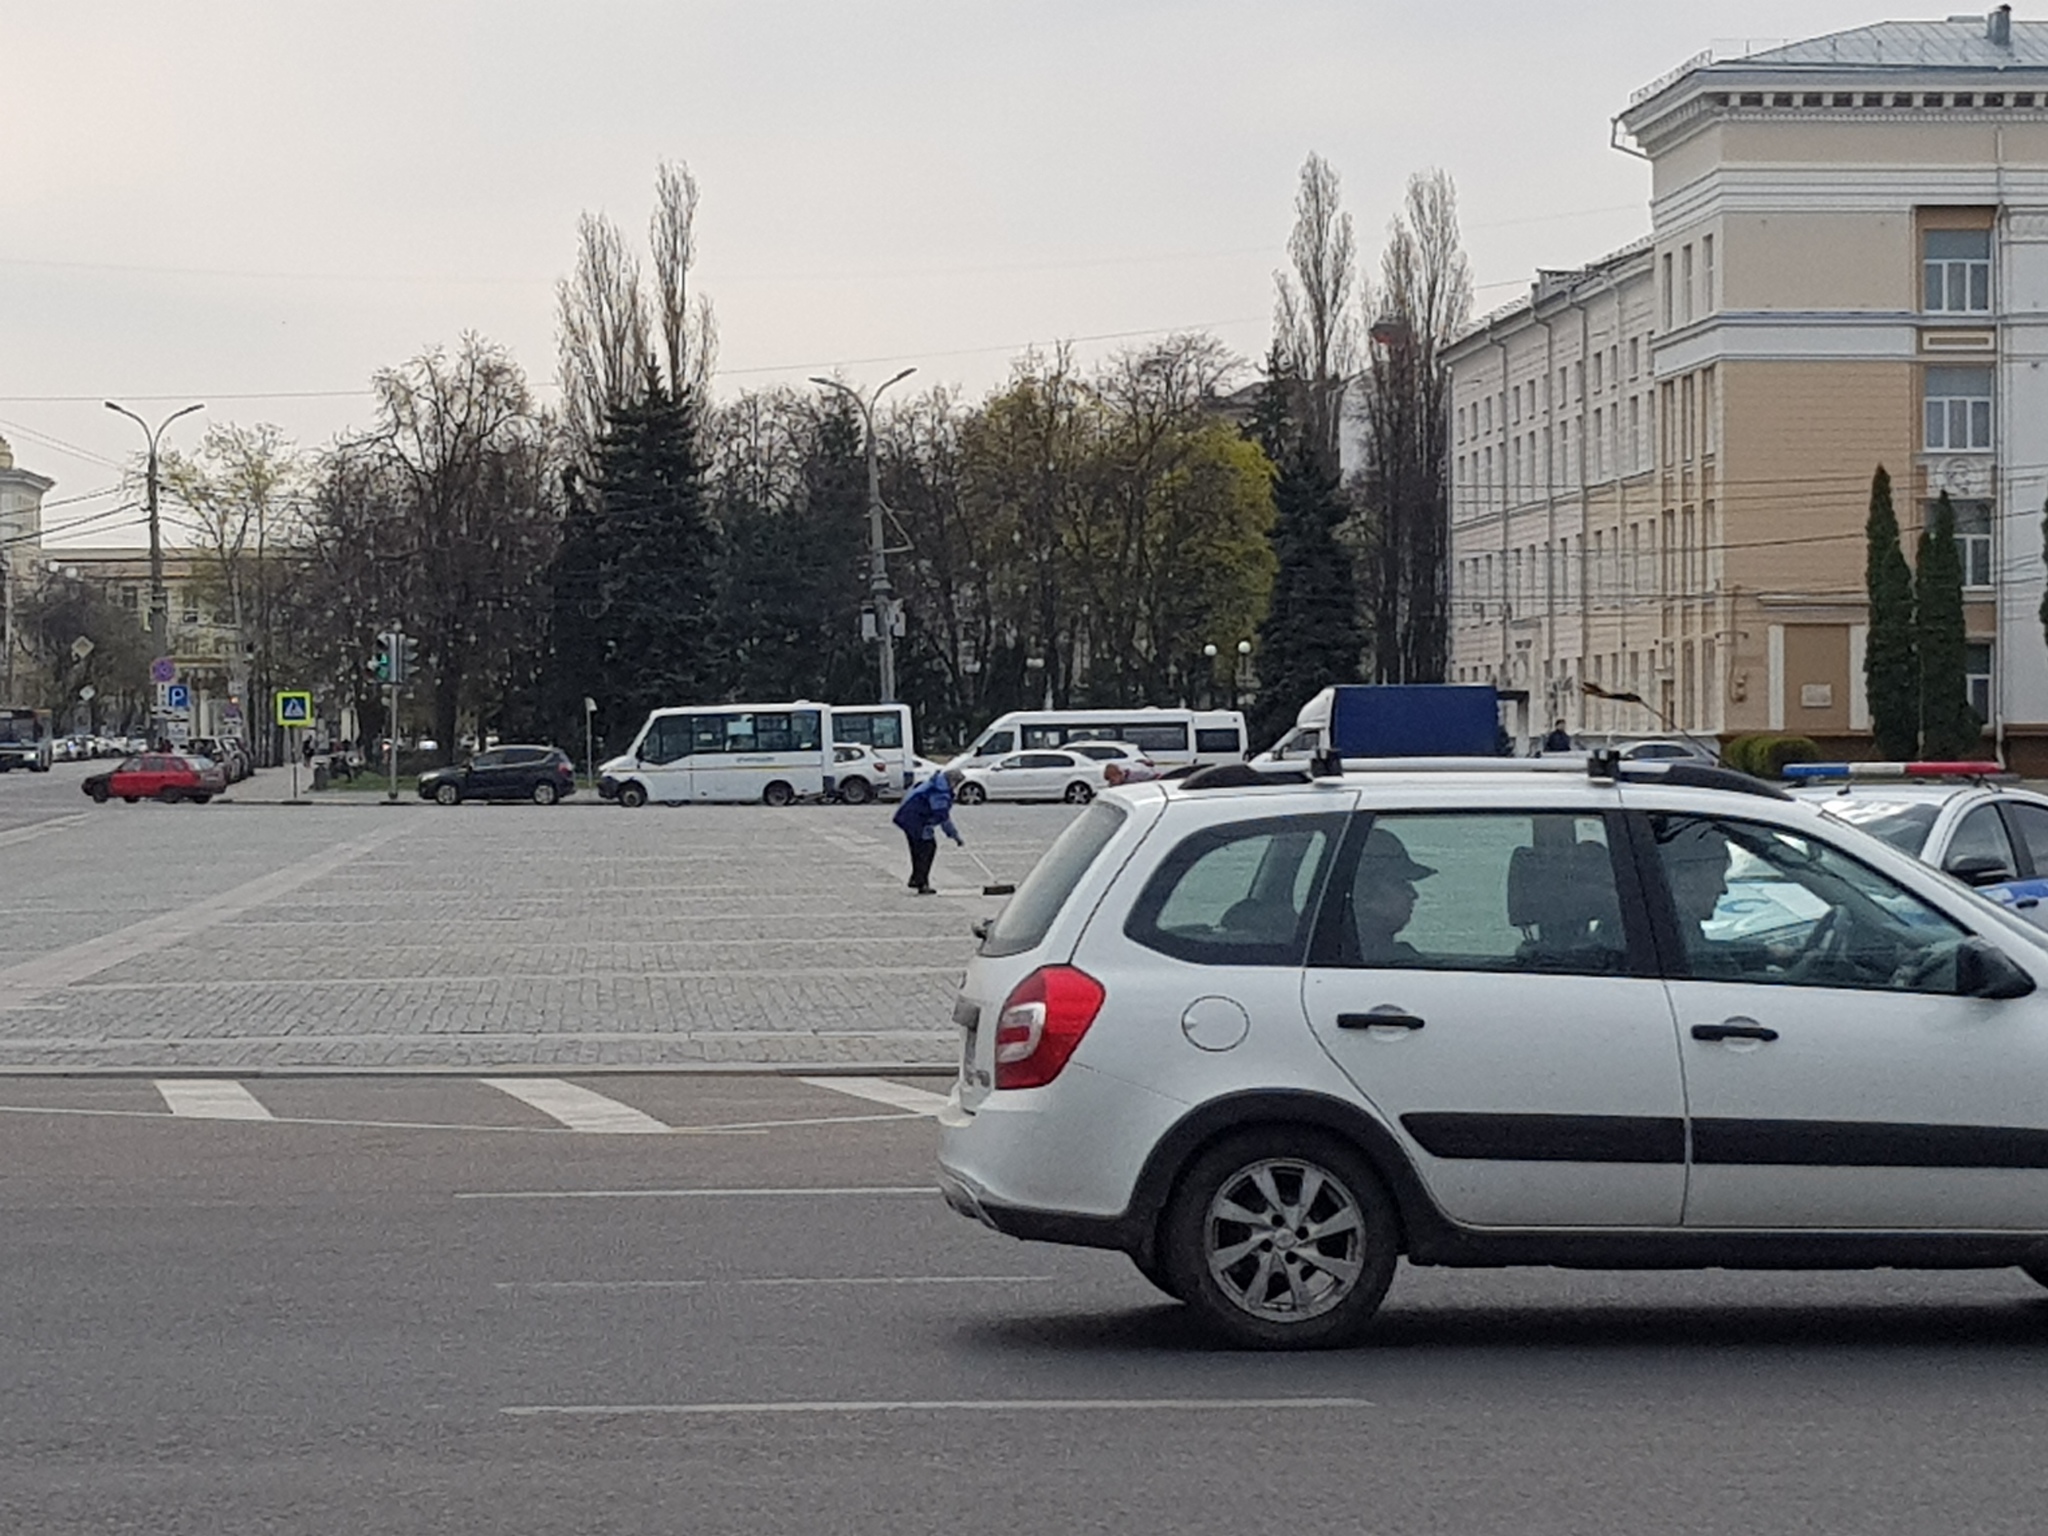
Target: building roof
[{"x": 1960, "y": 42}]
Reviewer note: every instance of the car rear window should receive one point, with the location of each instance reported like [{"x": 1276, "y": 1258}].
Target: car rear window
[{"x": 1023, "y": 924}]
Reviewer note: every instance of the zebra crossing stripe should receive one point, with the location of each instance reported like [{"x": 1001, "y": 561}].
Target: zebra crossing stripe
[
  {"x": 879, "y": 1090},
  {"x": 210, "y": 1098},
  {"x": 580, "y": 1109}
]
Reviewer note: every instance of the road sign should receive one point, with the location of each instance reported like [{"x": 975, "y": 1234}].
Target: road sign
[
  {"x": 163, "y": 670},
  {"x": 81, "y": 648},
  {"x": 87, "y": 694},
  {"x": 294, "y": 708},
  {"x": 178, "y": 696}
]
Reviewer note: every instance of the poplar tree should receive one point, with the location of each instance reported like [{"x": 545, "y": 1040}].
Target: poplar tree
[
  {"x": 1891, "y": 667},
  {"x": 1949, "y": 727}
]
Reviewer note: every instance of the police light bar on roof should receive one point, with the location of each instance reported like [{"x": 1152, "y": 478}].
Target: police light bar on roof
[{"x": 1892, "y": 770}]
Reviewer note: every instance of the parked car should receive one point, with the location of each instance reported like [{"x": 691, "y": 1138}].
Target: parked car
[
  {"x": 1065, "y": 774},
  {"x": 1267, "y": 1038},
  {"x": 166, "y": 776},
  {"x": 858, "y": 775},
  {"x": 1112, "y": 752},
  {"x": 1987, "y": 834},
  {"x": 227, "y": 752},
  {"x": 540, "y": 774}
]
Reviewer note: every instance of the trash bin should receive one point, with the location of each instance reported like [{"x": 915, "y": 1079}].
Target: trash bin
[{"x": 320, "y": 773}]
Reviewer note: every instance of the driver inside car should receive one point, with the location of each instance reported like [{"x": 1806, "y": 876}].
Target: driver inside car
[{"x": 1696, "y": 859}]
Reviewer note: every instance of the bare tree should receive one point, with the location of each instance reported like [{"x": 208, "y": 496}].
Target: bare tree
[
  {"x": 1425, "y": 296},
  {"x": 1315, "y": 336},
  {"x": 609, "y": 324}
]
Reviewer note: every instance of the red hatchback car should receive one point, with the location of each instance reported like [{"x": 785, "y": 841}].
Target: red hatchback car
[{"x": 165, "y": 776}]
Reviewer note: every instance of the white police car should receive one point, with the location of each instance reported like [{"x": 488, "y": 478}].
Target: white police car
[
  {"x": 1268, "y": 1035},
  {"x": 1959, "y": 817}
]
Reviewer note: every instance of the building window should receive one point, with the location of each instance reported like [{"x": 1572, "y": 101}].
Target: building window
[
  {"x": 128, "y": 598},
  {"x": 1598, "y": 359},
  {"x": 1958, "y": 415},
  {"x": 1956, "y": 271},
  {"x": 1667, "y": 290},
  {"x": 1635, "y": 357},
  {"x": 1685, "y": 284},
  {"x": 1977, "y": 677},
  {"x": 1707, "y": 274},
  {"x": 1973, "y": 539}
]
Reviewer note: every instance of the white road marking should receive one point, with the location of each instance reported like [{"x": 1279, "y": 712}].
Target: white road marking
[
  {"x": 690, "y": 1194},
  {"x": 75, "y": 962},
  {"x": 37, "y": 829},
  {"x": 210, "y": 1098},
  {"x": 580, "y": 1109},
  {"x": 778, "y": 1280},
  {"x": 920, "y": 1101},
  {"x": 966, "y": 1405}
]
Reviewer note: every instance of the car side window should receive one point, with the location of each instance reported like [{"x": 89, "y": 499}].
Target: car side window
[
  {"x": 488, "y": 760},
  {"x": 1243, "y": 894},
  {"x": 2030, "y": 823},
  {"x": 1759, "y": 904},
  {"x": 1475, "y": 891},
  {"x": 1978, "y": 836}
]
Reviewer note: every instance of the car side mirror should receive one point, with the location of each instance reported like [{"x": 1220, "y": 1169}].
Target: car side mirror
[
  {"x": 1979, "y": 869},
  {"x": 1985, "y": 970}
]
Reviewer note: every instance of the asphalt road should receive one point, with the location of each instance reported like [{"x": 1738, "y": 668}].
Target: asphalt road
[{"x": 423, "y": 1305}]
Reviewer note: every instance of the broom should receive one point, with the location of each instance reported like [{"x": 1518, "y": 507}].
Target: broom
[{"x": 994, "y": 887}]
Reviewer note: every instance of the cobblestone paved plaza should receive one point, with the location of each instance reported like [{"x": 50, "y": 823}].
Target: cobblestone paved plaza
[{"x": 246, "y": 936}]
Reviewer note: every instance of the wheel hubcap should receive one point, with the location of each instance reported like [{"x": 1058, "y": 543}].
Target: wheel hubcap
[{"x": 1284, "y": 1240}]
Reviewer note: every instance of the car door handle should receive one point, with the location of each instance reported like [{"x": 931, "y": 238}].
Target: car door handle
[
  {"x": 1379, "y": 1018},
  {"x": 1733, "y": 1031},
  {"x": 2024, "y": 902}
]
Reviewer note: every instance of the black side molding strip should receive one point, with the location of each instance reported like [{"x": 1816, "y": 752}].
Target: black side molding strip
[
  {"x": 1550, "y": 1138},
  {"x": 1865, "y": 1144}
]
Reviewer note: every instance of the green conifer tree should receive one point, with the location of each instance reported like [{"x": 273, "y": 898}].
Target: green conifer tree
[
  {"x": 1949, "y": 727},
  {"x": 1891, "y": 667}
]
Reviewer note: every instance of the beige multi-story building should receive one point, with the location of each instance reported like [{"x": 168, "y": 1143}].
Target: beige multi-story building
[
  {"x": 21, "y": 532},
  {"x": 1662, "y": 462}
]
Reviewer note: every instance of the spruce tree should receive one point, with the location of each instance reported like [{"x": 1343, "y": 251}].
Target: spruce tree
[
  {"x": 1949, "y": 727},
  {"x": 1891, "y": 667},
  {"x": 1312, "y": 635}
]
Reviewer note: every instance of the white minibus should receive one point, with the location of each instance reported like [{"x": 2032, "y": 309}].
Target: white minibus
[
  {"x": 772, "y": 753},
  {"x": 1172, "y": 738}
]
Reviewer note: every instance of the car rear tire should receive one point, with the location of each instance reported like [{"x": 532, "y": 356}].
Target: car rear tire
[
  {"x": 545, "y": 793},
  {"x": 777, "y": 794},
  {"x": 632, "y": 796},
  {"x": 1282, "y": 1238},
  {"x": 447, "y": 794},
  {"x": 1079, "y": 793},
  {"x": 856, "y": 790},
  {"x": 970, "y": 793}
]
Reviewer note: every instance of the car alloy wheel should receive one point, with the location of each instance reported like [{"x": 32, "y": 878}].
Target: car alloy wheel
[
  {"x": 1079, "y": 793},
  {"x": 971, "y": 794},
  {"x": 856, "y": 790},
  {"x": 447, "y": 794},
  {"x": 632, "y": 797},
  {"x": 545, "y": 793},
  {"x": 1282, "y": 1238}
]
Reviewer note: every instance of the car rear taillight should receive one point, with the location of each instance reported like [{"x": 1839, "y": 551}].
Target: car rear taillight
[{"x": 1041, "y": 1023}]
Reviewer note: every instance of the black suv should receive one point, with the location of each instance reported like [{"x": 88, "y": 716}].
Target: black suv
[{"x": 540, "y": 774}]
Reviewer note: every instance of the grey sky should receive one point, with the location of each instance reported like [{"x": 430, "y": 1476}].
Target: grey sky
[{"x": 210, "y": 201}]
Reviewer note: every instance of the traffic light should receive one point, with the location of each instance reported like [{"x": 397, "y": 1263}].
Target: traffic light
[
  {"x": 382, "y": 664},
  {"x": 408, "y": 658}
]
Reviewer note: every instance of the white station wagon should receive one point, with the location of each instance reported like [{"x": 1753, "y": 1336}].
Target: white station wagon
[{"x": 1268, "y": 1036}]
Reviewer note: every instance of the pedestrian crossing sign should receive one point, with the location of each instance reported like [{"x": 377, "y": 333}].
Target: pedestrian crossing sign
[{"x": 294, "y": 708}]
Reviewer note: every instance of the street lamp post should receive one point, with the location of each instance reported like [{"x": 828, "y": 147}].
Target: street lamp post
[
  {"x": 879, "y": 594},
  {"x": 1238, "y": 669},
  {"x": 159, "y": 599}
]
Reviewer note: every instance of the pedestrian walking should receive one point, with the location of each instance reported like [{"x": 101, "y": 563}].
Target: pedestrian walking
[{"x": 925, "y": 812}]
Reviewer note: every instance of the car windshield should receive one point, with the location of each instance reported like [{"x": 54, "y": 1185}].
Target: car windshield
[{"x": 1902, "y": 823}]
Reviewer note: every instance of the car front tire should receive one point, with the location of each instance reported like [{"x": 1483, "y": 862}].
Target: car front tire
[
  {"x": 98, "y": 793},
  {"x": 970, "y": 794},
  {"x": 447, "y": 794},
  {"x": 1282, "y": 1238},
  {"x": 632, "y": 796},
  {"x": 1079, "y": 793}
]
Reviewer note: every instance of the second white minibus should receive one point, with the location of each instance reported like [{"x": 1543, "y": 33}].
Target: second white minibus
[{"x": 1172, "y": 738}]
